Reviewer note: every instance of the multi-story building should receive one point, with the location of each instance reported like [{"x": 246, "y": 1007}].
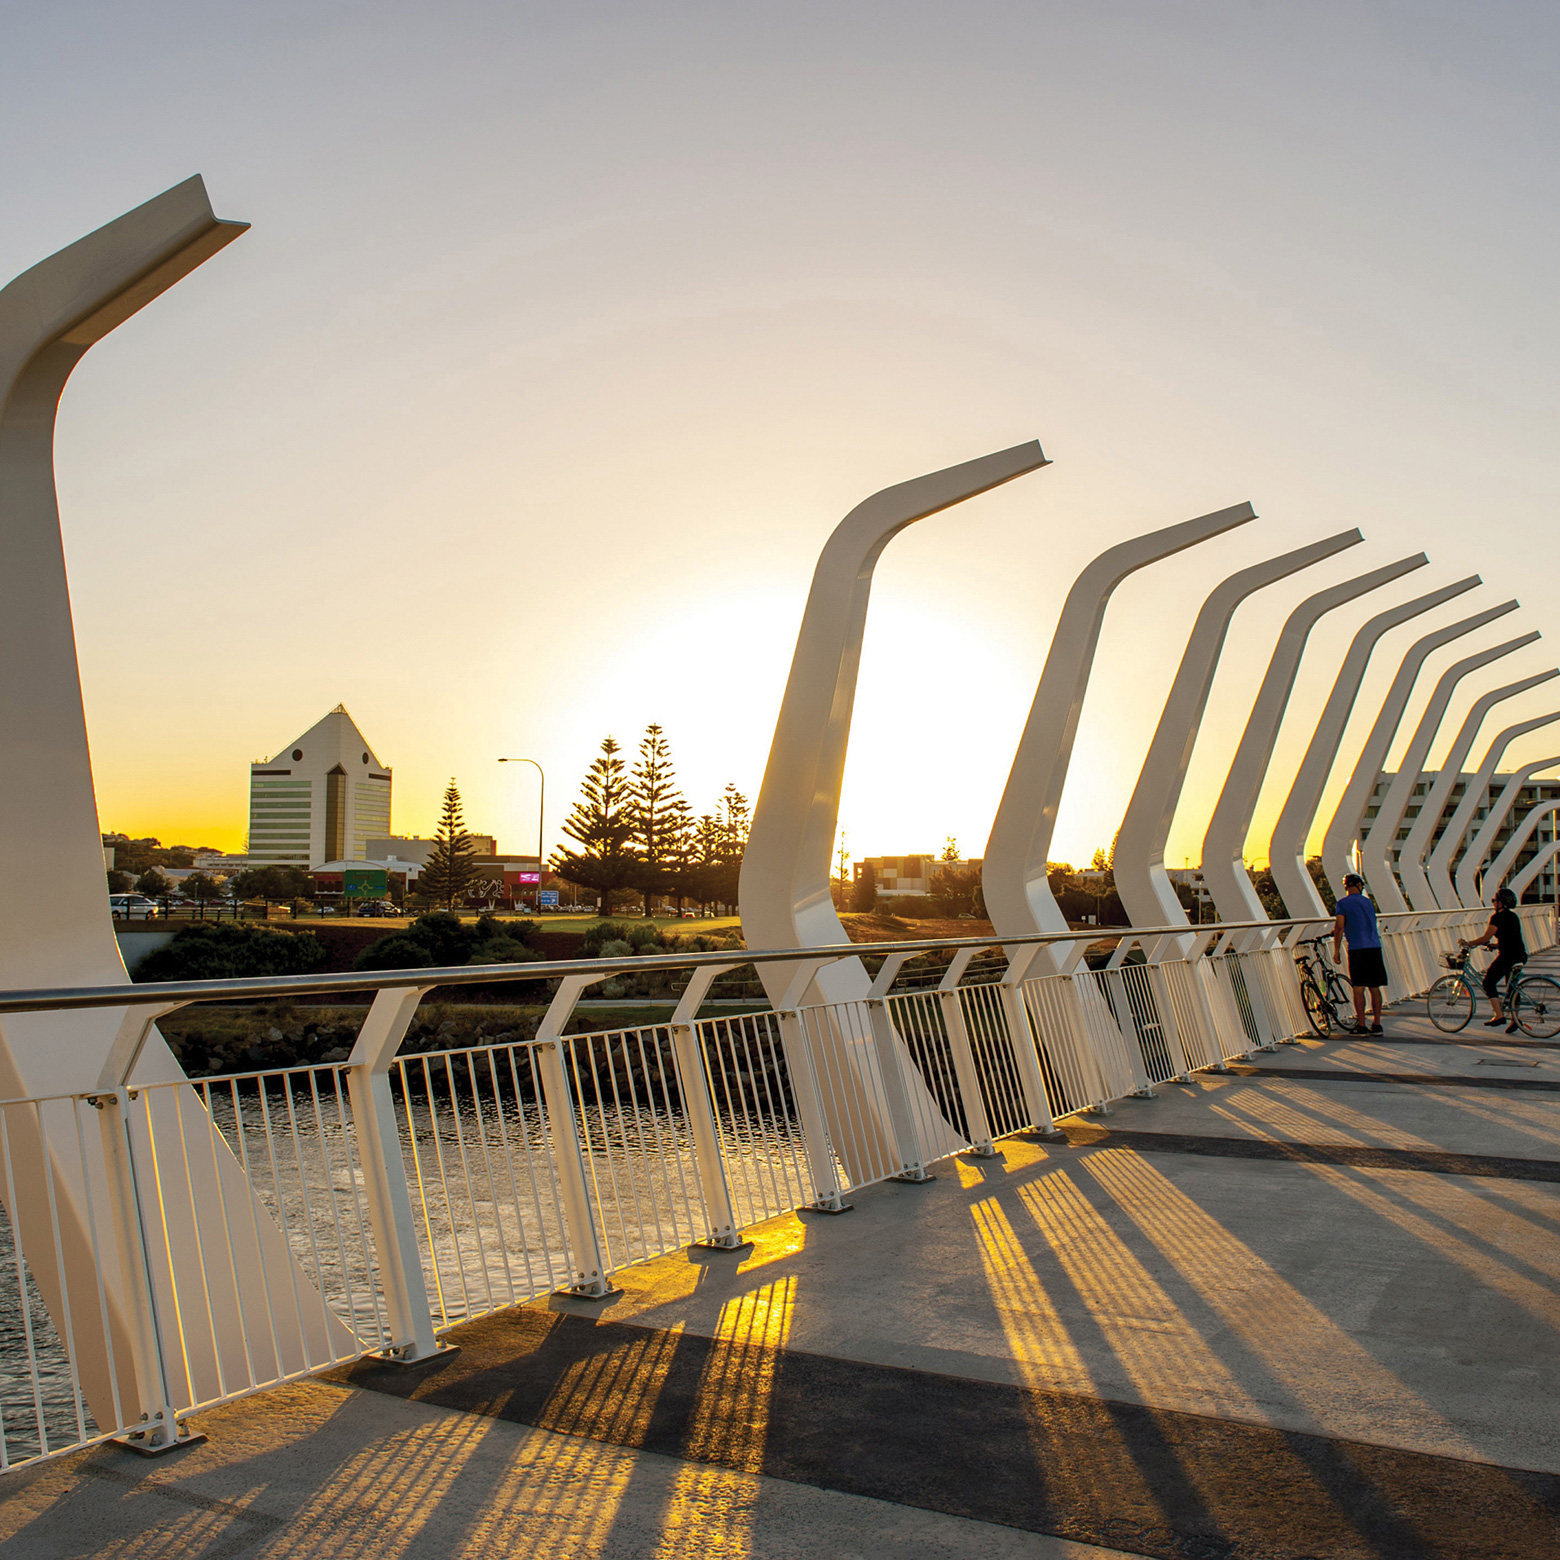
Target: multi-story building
[
  {"x": 323, "y": 797},
  {"x": 1531, "y": 794},
  {"x": 902, "y": 876},
  {"x": 413, "y": 847}
]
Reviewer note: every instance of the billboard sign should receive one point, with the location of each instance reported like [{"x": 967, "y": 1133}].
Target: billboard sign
[
  {"x": 529, "y": 877},
  {"x": 365, "y": 883}
]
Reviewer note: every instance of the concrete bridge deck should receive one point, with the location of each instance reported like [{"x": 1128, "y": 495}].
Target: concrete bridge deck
[{"x": 1304, "y": 1309}]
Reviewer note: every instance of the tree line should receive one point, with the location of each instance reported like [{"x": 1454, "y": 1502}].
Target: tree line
[
  {"x": 635, "y": 831},
  {"x": 637, "y": 834}
]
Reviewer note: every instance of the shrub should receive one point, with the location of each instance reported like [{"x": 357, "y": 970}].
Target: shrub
[
  {"x": 399, "y": 951},
  {"x": 504, "y": 950},
  {"x": 229, "y": 950},
  {"x": 626, "y": 937},
  {"x": 441, "y": 940}
]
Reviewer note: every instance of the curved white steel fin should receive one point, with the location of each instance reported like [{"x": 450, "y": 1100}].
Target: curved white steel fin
[
  {"x": 1439, "y": 867},
  {"x": 1286, "y": 846},
  {"x": 1147, "y": 894},
  {"x": 784, "y": 887},
  {"x": 1350, "y": 812},
  {"x": 1411, "y": 856},
  {"x": 1376, "y": 846},
  {"x": 1223, "y": 851},
  {"x": 60, "y": 933},
  {"x": 1018, "y": 898},
  {"x": 1523, "y": 880},
  {"x": 1468, "y": 881},
  {"x": 1513, "y": 847}
]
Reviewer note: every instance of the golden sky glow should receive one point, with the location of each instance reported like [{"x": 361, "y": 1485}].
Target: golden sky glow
[{"x": 560, "y": 343}]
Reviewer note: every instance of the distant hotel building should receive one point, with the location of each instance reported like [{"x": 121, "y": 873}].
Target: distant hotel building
[
  {"x": 322, "y": 798},
  {"x": 1531, "y": 794}
]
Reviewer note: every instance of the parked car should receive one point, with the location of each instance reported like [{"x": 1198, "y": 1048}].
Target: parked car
[{"x": 133, "y": 907}]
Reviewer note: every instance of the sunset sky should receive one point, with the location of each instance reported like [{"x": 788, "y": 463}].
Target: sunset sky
[{"x": 564, "y": 336}]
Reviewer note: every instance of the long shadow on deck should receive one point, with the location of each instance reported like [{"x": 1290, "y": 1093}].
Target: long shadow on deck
[{"x": 1157, "y": 1482}]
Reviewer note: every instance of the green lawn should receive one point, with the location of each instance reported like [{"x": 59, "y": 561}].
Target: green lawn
[{"x": 686, "y": 926}]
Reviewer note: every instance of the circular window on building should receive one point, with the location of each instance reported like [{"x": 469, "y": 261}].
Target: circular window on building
[
  {"x": 297, "y": 754},
  {"x": 365, "y": 758}
]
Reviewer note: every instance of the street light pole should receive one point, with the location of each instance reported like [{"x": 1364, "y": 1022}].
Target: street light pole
[{"x": 541, "y": 818}]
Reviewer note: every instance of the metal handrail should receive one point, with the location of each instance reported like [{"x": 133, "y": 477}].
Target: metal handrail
[{"x": 46, "y": 999}]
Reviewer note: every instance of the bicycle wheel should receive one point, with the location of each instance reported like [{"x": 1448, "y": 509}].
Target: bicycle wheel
[
  {"x": 1450, "y": 1003},
  {"x": 1318, "y": 1010},
  {"x": 1340, "y": 999},
  {"x": 1535, "y": 1005}
]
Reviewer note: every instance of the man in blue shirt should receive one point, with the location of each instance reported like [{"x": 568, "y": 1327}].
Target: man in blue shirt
[{"x": 1367, "y": 968}]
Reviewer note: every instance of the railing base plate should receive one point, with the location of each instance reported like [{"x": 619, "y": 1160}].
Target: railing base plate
[
  {"x": 843, "y": 1207},
  {"x": 440, "y": 1356},
  {"x": 714, "y": 1244},
  {"x": 133, "y": 1443},
  {"x": 1054, "y": 1135},
  {"x": 566, "y": 1293},
  {"x": 914, "y": 1179}
]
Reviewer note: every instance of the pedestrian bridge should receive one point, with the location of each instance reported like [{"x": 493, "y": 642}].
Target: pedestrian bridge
[
  {"x": 1303, "y": 1306},
  {"x": 955, "y": 1242}
]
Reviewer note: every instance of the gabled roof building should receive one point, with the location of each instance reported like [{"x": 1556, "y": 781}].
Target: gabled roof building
[{"x": 321, "y": 798}]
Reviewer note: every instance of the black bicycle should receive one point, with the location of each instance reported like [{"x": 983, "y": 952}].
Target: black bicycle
[
  {"x": 1532, "y": 1001},
  {"x": 1325, "y": 997}
]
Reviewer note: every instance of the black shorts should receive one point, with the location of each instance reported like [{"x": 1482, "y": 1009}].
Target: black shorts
[{"x": 1367, "y": 967}]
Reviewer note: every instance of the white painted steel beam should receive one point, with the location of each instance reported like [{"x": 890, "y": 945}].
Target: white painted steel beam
[
  {"x": 693, "y": 1083},
  {"x": 1146, "y": 892},
  {"x": 1018, "y": 897},
  {"x": 1501, "y": 866},
  {"x": 1411, "y": 856},
  {"x": 1469, "y": 890},
  {"x": 1523, "y": 881},
  {"x": 59, "y": 933},
  {"x": 1439, "y": 867},
  {"x": 784, "y": 890},
  {"x": 1350, "y": 812},
  {"x": 1286, "y": 846},
  {"x": 784, "y": 893},
  {"x": 1223, "y": 851},
  {"x": 385, "y": 1188},
  {"x": 1376, "y": 847}
]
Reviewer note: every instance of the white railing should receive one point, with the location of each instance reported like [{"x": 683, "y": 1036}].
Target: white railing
[{"x": 172, "y": 1245}]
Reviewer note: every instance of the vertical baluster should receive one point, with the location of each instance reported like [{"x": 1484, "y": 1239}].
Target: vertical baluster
[
  {"x": 693, "y": 1084},
  {"x": 384, "y": 1175}
]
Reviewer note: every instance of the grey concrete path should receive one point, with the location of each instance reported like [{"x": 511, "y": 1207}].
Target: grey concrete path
[
  {"x": 1482, "y": 1120},
  {"x": 1408, "y": 1310},
  {"x": 317, "y": 1470}
]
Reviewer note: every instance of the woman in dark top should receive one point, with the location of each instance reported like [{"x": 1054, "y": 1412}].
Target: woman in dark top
[{"x": 1505, "y": 932}]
